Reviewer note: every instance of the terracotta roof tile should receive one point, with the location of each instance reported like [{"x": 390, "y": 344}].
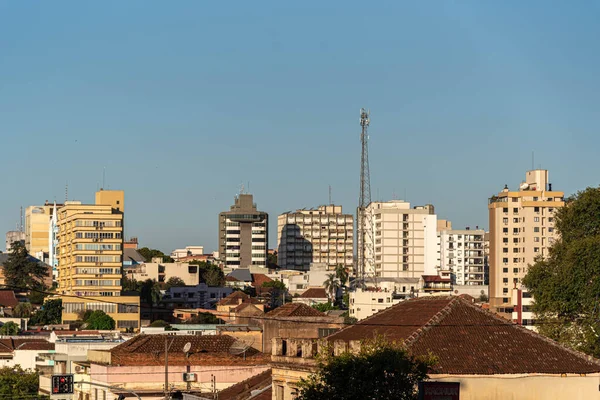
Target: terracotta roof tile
[
  {"x": 468, "y": 340},
  {"x": 247, "y": 308},
  {"x": 242, "y": 390},
  {"x": 8, "y": 298},
  {"x": 233, "y": 299},
  {"x": 295, "y": 310},
  {"x": 435, "y": 278},
  {"x": 9, "y": 345},
  {"x": 314, "y": 293},
  {"x": 259, "y": 279},
  {"x": 207, "y": 350}
]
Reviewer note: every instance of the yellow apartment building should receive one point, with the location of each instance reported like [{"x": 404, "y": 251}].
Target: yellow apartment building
[
  {"x": 90, "y": 253},
  {"x": 521, "y": 229}
]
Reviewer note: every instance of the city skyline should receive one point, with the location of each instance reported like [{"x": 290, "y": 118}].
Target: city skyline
[{"x": 179, "y": 130}]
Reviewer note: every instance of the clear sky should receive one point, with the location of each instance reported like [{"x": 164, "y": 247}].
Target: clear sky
[{"x": 183, "y": 101}]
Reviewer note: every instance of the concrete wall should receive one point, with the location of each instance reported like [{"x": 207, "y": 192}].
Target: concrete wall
[{"x": 525, "y": 387}]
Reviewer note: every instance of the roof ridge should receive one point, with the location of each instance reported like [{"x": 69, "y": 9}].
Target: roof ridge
[
  {"x": 433, "y": 321},
  {"x": 529, "y": 332}
]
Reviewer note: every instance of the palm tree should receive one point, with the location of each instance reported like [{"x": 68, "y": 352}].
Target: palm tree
[
  {"x": 331, "y": 285},
  {"x": 342, "y": 274}
]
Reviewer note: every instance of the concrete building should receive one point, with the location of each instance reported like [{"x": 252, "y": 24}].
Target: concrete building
[
  {"x": 364, "y": 303},
  {"x": 14, "y": 236},
  {"x": 462, "y": 254},
  {"x": 522, "y": 303},
  {"x": 521, "y": 229},
  {"x": 188, "y": 251},
  {"x": 197, "y": 296},
  {"x": 162, "y": 272},
  {"x": 324, "y": 235},
  {"x": 489, "y": 357},
  {"x": 404, "y": 240},
  {"x": 17, "y": 350},
  {"x": 90, "y": 240},
  {"x": 38, "y": 224},
  {"x": 300, "y": 281},
  {"x": 243, "y": 234}
]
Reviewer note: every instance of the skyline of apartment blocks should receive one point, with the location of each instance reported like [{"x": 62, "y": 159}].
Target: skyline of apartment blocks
[
  {"x": 521, "y": 229},
  {"x": 322, "y": 235},
  {"x": 90, "y": 253},
  {"x": 461, "y": 251},
  {"x": 244, "y": 234},
  {"x": 404, "y": 240}
]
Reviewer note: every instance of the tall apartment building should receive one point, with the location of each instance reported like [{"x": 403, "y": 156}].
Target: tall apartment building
[
  {"x": 243, "y": 234},
  {"x": 89, "y": 252},
  {"x": 521, "y": 229},
  {"x": 403, "y": 239},
  {"x": 462, "y": 254},
  {"x": 40, "y": 233},
  {"x": 323, "y": 235}
]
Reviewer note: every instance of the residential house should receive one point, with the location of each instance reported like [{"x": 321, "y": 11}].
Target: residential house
[
  {"x": 198, "y": 296},
  {"x": 257, "y": 387},
  {"x": 23, "y": 351},
  {"x": 313, "y": 296},
  {"x": 491, "y": 357}
]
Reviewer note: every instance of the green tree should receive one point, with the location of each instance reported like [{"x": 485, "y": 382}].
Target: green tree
[
  {"x": 150, "y": 292},
  {"x": 331, "y": 284},
  {"x": 149, "y": 254},
  {"x": 21, "y": 271},
  {"x": 205, "y": 318},
  {"x": 277, "y": 291},
  {"x": 100, "y": 320},
  {"x": 159, "y": 323},
  {"x": 324, "y": 307},
  {"x": 130, "y": 284},
  {"x": 272, "y": 260},
  {"x": 174, "y": 281},
  {"x": 17, "y": 383},
  {"x": 382, "y": 369},
  {"x": 209, "y": 273},
  {"x": 49, "y": 314},
  {"x": 23, "y": 310},
  {"x": 566, "y": 284},
  {"x": 9, "y": 329},
  {"x": 341, "y": 272}
]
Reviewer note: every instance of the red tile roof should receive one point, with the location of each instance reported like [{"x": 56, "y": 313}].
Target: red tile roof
[
  {"x": 8, "y": 299},
  {"x": 295, "y": 310},
  {"x": 233, "y": 299},
  {"x": 314, "y": 293},
  {"x": 76, "y": 333},
  {"x": 259, "y": 279},
  {"x": 243, "y": 389},
  {"x": 247, "y": 308},
  {"x": 208, "y": 350},
  {"x": 467, "y": 339},
  {"x": 231, "y": 279},
  {"x": 9, "y": 345}
]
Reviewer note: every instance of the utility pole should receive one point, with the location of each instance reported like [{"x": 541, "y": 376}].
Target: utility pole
[{"x": 167, "y": 347}]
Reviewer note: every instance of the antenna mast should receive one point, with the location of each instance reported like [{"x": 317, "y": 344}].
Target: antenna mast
[{"x": 364, "y": 197}]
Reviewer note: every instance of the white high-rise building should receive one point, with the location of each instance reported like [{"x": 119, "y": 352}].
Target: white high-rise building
[
  {"x": 462, "y": 255},
  {"x": 403, "y": 239}
]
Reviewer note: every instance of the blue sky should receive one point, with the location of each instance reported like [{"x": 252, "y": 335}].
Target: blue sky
[{"x": 184, "y": 101}]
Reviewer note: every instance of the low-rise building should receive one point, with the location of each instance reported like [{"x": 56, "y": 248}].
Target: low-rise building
[
  {"x": 198, "y": 296},
  {"x": 186, "y": 252},
  {"x": 312, "y": 296},
  {"x": 23, "y": 351},
  {"x": 212, "y": 363},
  {"x": 161, "y": 272},
  {"x": 491, "y": 358}
]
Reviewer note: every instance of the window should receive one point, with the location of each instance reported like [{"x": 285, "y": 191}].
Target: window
[
  {"x": 505, "y": 250},
  {"x": 516, "y": 250},
  {"x": 515, "y": 231},
  {"x": 515, "y": 240},
  {"x": 515, "y": 270},
  {"x": 505, "y": 260},
  {"x": 536, "y": 249},
  {"x": 505, "y": 209},
  {"x": 536, "y": 239},
  {"x": 515, "y": 210},
  {"x": 536, "y": 229},
  {"x": 505, "y": 280},
  {"x": 505, "y": 270},
  {"x": 536, "y": 219},
  {"x": 504, "y": 290},
  {"x": 516, "y": 220},
  {"x": 550, "y": 230},
  {"x": 516, "y": 260},
  {"x": 505, "y": 230},
  {"x": 536, "y": 209},
  {"x": 505, "y": 299},
  {"x": 505, "y": 240},
  {"x": 505, "y": 220},
  {"x": 550, "y": 219}
]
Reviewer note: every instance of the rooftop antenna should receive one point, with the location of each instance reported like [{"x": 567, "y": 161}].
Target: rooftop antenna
[
  {"x": 103, "y": 177},
  {"x": 66, "y": 192},
  {"x": 532, "y": 160},
  {"x": 242, "y": 189},
  {"x": 330, "y": 203},
  {"x": 248, "y": 187},
  {"x": 21, "y": 227}
]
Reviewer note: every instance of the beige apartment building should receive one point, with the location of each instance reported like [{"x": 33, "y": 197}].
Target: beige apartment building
[
  {"x": 401, "y": 241},
  {"x": 37, "y": 228},
  {"x": 521, "y": 229},
  {"x": 323, "y": 235},
  {"x": 90, "y": 252}
]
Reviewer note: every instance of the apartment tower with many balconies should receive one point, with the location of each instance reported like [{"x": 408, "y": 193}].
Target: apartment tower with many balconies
[
  {"x": 461, "y": 253},
  {"x": 322, "y": 235},
  {"x": 243, "y": 234},
  {"x": 521, "y": 229},
  {"x": 90, "y": 252}
]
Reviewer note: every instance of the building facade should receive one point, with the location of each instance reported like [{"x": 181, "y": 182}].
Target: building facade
[
  {"x": 403, "y": 239},
  {"x": 90, "y": 251},
  {"x": 38, "y": 220},
  {"x": 323, "y": 235},
  {"x": 521, "y": 229},
  {"x": 243, "y": 234},
  {"x": 462, "y": 254},
  {"x": 12, "y": 237}
]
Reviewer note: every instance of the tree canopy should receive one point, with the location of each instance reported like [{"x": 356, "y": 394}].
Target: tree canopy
[
  {"x": 205, "y": 318},
  {"x": 150, "y": 292},
  {"x": 380, "y": 370},
  {"x": 174, "y": 281},
  {"x": 23, "y": 310},
  {"x": 149, "y": 254},
  {"x": 209, "y": 273},
  {"x": 100, "y": 320},
  {"x": 49, "y": 314},
  {"x": 22, "y": 271},
  {"x": 17, "y": 383},
  {"x": 566, "y": 284},
  {"x": 9, "y": 329}
]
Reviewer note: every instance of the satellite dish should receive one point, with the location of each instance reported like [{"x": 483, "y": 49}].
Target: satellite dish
[
  {"x": 524, "y": 186},
  {"x": 240, "y": 347},
  {"x": 187, "y": 347}
]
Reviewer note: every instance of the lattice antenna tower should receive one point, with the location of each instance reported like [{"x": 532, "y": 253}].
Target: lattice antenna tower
[{"x": 364, "y": 198}]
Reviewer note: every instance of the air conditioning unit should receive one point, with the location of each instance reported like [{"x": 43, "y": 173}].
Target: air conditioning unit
[
  {"x": 79, "y": 369},
  {"x": 189, "y": 377}
]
